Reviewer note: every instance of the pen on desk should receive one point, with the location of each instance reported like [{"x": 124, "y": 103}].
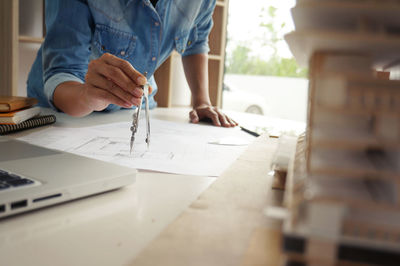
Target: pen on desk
[{"x": 255, "y": 134}]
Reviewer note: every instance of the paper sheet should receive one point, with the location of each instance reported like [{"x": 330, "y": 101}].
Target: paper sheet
[{"x": 179, "y": 148}]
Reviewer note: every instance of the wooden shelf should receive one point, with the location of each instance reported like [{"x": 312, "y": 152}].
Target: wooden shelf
[
  {"x": 29, "y": 39},
  {"x": 9, "y": 47},
  {"x": 215, "y": 57},
  {"x": 221, "y": 3},
  {"x": 217, "y": 38}
]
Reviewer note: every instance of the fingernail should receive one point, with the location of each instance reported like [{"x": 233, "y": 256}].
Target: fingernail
[
  {"x": 138, "y": 92},
  {"x": 141, "y": 80}
]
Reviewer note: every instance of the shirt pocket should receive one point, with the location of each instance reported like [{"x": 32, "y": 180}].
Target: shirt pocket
[
  {"x": 185, "y": 40},
  {"x": 113, "y": 41}
]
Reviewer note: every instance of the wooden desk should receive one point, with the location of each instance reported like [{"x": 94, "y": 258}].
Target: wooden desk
[
  {"x": 162, "y": 219},
  {"x": 226, "y": 224}
]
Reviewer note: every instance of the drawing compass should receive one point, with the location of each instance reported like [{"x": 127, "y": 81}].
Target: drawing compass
[{"x": 136, "y": 116}]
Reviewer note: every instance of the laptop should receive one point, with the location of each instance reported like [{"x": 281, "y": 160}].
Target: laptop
[{"x": 33, "y": 177}]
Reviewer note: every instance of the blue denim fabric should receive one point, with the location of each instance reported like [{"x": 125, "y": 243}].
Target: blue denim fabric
[{"x": 79, "y": 31}]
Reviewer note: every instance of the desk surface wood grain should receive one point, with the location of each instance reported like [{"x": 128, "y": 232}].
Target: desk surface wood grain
[{"x": 226, "y": 224}]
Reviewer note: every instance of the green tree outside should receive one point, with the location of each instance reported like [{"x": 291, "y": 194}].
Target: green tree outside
[{"x": 240, "y": 60}]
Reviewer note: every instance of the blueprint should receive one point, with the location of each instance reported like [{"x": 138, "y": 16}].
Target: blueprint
[{"x": 179, "y": 148}]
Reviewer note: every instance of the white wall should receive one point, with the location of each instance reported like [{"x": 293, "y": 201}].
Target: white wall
[{"x": 181, "y": 95}]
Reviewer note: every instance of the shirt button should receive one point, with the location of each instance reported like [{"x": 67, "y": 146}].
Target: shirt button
[
  {"x": 153, "y": 58},
  {"x": 182, "y": 50},
  {"x": 122, "y": 53},
  {"x": 157, "y": 24},
  {"x": 189, "y": 43}
]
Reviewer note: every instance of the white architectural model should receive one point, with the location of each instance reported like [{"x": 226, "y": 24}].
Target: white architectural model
[{"x": 343, "y": 187}]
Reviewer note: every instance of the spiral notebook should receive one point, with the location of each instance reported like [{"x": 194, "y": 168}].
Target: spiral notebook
[{"x": 30, "y": 123}]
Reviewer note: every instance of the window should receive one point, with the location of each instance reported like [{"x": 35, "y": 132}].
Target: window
[{"x": 261, "y": 75}]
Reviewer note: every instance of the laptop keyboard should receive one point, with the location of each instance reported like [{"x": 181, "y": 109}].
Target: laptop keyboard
[{"x": 10, "y": 180}]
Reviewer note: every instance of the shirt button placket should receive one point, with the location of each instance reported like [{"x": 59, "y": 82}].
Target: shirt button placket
[
  {"x": 156, "y": 38},
  {"x": 157, "y": 24}
]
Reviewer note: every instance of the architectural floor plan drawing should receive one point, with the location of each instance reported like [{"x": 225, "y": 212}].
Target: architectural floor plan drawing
[{"x": 179, "y": 148}]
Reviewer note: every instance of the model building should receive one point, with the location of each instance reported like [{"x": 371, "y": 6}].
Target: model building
[{"x": 343, "y": 185}]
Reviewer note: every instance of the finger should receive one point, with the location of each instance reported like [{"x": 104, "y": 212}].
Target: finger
[
  {"x": 120, "y": 93},
  {"x": 194, "y": 118},
  {"x": 105, "y": 84},
  {"x": 223, "y": 119},
  {"x": 119, "y": 78},
  {"x": 103, "y": 98},
  {"x": 232, "y": 122},
  {"x": 210, "y": 113},
  {"x": 126, "y": 67}
]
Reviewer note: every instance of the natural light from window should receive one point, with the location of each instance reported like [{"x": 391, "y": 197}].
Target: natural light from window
[{"x": 261, "y": 75}]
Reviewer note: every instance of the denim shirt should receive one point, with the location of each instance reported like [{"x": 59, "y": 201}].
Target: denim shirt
[{"x": 79, "y": 31}]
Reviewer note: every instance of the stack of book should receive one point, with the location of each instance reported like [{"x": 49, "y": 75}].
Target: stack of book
[
  {"x": 19, "y": 113},
  {"x": 343, "y": 184}
]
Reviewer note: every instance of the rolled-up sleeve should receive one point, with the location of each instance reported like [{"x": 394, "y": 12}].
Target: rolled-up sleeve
[
  {"x": 66, "y": 48},
  {"x": 203, "y": 28}
]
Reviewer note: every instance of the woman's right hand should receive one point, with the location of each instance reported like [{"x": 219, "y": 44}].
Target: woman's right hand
[
  {"x": 112, "y": 80},
  {"x": 109, "y": 80}
]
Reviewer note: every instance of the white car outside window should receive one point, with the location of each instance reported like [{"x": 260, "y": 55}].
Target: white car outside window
[{"x": 242, "y": 101}]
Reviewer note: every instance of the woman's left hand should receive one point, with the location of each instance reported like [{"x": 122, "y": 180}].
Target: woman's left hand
[{"x": 205, "y": 111}]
